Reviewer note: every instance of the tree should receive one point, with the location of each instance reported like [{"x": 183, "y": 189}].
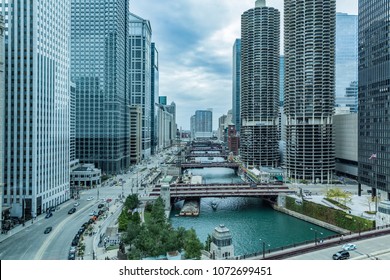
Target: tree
[
  {"x": 132, "y": 232},
  {"x": 192, "y": 245},
  {"x": 123, "y": 220},
  {"x": 132, "y": 201},
  {"x": 208, "y": 243},
  {"x": 337, "y": 194}
]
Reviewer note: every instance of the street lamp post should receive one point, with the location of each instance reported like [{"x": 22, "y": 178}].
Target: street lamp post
[
  {"x": 315, "y": 235},
  {"x": 263, "y": 247}
]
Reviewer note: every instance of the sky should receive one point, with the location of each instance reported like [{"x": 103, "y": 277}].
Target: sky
[{"x": 194, "y": 39}]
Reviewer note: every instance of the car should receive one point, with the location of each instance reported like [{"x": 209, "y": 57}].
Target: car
[
  {"x": 47, "y": 230},
  {"x": 76, "y": 204},
  {"x": 52, "y": 209},
  {"x": 72, "y": 210},
  {"x": 48, "y": 215},
  {"x": 90, "y": 198},
  {"x": 93, "y": 213},
  {"x": 71, "y": 256},
  {"x": 341, "y": 255},
  {"x": 75, "y": 242},
  {"x": 348, "y": 247},
  {"x": 72, "y": 250},
  {"x": 101, "y": 205}
]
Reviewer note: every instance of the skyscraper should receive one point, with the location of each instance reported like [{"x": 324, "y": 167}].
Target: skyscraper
[
  {"x": 260, "y": 32},
  {"x": 139, "y": 72},
  {"x": 309, "y": 40},
  {"x": 154, "y": 88},
  {"x": 346, "y": 54},
  {"x": 236, "y": 83},
  {"x": 98, "y": 56},
  {"x": 281, "y": 80},
  {"x": 374, "y": 94},
  {"x": 37, "y": 85},
  {"x": 2, "y": 119},
  {"x": 203, "y": 125}
]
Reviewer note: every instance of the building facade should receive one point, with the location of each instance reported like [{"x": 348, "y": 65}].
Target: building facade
[
  {"x": 154, "y": 88},
  {"x": 309, "y": 42},
  {"x": 2, "y": 116},
  {"x": 135, "y": 134},
  {"x": 98, "y": 57},
  {"x": 260, "y": 44},
  {"x": 37, "y": 89},
  {"x": 346, "y": 144},
  {"x": 203, "y": 123},
  {"x": 72, "y": 123},
  {"x": 374, "y": 94},
  {"x": 166, "y": 134},
  {"x": 236, "y": 83},
  {"x": 346, "y": 56},
  {"x": 350, "y": 99},
  {"x": 139, "y": 74},
  {"x": 281, "y": 80}
]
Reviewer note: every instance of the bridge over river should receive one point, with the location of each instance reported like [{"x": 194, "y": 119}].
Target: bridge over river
[
  {"x": 183, "y": 191},
  {"x": 189, "y": 165}
]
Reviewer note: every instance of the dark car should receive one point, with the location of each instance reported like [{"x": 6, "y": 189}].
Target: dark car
[
  {"x": 72, "y": 210},
  {"x": 52, "y": 209},
  {"x": 75, "y": 242},
  {"x": 71, "y": 256},
  {"x": 47, "y": 230},
  {"x": 101, "y": 205},
  {"x": 48, "y": 215},
  {"x": 341, "y": 255}
]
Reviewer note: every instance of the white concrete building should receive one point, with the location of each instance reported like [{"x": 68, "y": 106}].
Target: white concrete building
[
  {"x": 221, "y": 246},
  {"x": 37, "y": 90},
  {"x": 346, "y": 144}
]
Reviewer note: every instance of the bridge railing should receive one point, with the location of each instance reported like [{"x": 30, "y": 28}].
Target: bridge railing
[{"x": 310, "y": 246}]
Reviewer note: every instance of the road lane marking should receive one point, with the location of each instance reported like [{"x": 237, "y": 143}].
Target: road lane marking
[{"x": 55, "y": 232}]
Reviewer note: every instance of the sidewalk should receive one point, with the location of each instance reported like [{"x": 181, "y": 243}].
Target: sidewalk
[{"x": 92, "y": 248}]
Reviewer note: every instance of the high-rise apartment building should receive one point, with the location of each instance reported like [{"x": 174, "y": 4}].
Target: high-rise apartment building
[
  {"x": 346, "y": 56},
  {"x": 154, "y": 88},
  {"x": 236, "y": 84},
  {"x": 139, "y": 73},
  {"x": 2, "y": 116},
  {"x": 37, "y": 85},
  {"x": 98, "y": 57},
  {"x": 281, "y": 80},
  {"x": 374, "y": 94},
  {"x": 260, "y": 44},
  {"x": 309, "y": 43},
  {"x": 203, "y": 123}
]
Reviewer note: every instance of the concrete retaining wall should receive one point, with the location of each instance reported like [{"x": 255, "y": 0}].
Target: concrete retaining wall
[{"x": 310, "y": 220}]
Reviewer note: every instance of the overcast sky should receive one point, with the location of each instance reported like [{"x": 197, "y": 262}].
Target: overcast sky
[{"x": 194, "y": 39}]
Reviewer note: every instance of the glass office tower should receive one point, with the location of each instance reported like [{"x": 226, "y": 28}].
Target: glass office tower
[
  {"x": 154, "y": 88},
  {"x": 98, "y": 60},
  {"x": 37, "y": 88},
  {"x": 346, "y": 60},
  {"x": 260, "y": 45},
  {"x": 139, "y": 73},
  {"x": 309, "y": 53},
  {"x": 374, "y": 94}
]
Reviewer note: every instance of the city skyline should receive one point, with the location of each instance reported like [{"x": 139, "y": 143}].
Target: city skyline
[{"x": 195, "y": 48}]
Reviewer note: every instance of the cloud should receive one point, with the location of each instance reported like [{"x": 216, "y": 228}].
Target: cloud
[{"x": 195, "y": 40}]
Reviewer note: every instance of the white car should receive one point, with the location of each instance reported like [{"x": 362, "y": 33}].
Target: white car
[
  {"x": 90, "y": 198},
  {"x": 348, "y": 247},
  {"x": 76, "y": 204}
]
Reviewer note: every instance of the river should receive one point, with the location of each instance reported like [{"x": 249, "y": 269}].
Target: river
[{"x": 250, "y": 220}]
